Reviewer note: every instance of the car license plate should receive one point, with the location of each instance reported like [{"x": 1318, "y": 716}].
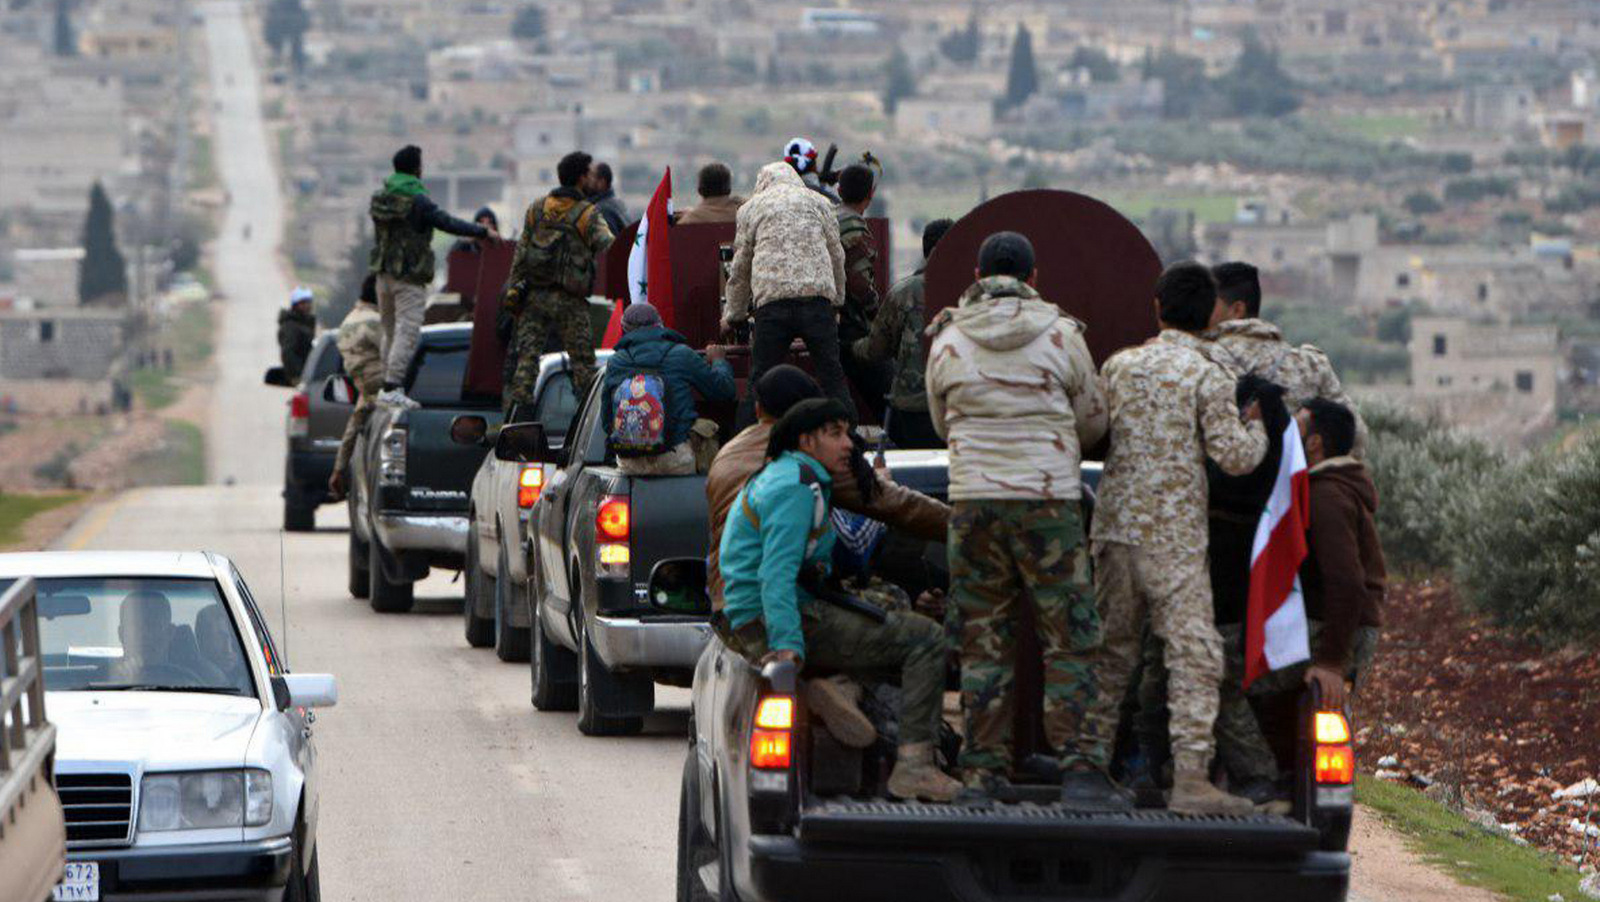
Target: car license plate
[{"x": 80, "y": 884}]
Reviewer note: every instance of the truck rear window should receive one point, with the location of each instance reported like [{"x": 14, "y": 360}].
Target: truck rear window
[{"x": 438, "y": 375}]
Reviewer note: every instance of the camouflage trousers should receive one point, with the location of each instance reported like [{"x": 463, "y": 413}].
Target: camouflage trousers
[
  {"x": 1241, "y": 746},
  {"x": 1003, "y": 553},
  {"x": 569, "y": 316},
  {"x": 908, "y": 649},
  {"x": 1170, "y": 591}
]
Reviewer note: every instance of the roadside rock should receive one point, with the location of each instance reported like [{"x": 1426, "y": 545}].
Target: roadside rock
[
  {"x": 1582, "y": 789},
  {"x": 1591, "y": 886}
]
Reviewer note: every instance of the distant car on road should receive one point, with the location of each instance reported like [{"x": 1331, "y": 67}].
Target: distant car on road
[
  {"x": 184, "y": 758},
  {"x": 318, "y": 410}
]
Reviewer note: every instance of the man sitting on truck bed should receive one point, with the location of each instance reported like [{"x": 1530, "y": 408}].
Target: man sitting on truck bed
[
  {"x": 780, "y": 541},
  {"x": 651, "y": 358},
  {"x": 781, "y": 388}
]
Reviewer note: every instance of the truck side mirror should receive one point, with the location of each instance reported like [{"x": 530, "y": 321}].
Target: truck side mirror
[
  {"x": 524, "y": 443},
  {"x": 469, "y": 429},
  {"x": 678, "y": 586},
  {"x": 277, "y": 376}
]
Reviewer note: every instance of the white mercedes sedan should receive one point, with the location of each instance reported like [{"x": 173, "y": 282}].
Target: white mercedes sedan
[{"x": 184, "y": 758}]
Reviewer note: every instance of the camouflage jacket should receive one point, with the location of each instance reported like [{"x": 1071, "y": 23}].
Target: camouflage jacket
[
  {"x": 860, "y": 275},
  {"x": 1012, "y": 388},
  {"x": 403, "y": 221},
  {"x": 1257, "y": 346},
  {"x": 786, "y": 246},
  {"x": 563, "y": 235},
  {"x": 360, "y": 343},
  {"x": 1171, "y": 408},
  {"x": 897, "y": 335}
]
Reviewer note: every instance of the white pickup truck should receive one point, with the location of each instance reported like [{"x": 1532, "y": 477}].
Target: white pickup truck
[{"x": 33, "y": 832}]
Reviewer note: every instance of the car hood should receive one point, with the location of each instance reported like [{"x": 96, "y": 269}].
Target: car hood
[{"x": 161, "y": 730}]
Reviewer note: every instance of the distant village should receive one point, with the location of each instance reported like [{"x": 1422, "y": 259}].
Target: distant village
[{"x": 1418, "y": 181}]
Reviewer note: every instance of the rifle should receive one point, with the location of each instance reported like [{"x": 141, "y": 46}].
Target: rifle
[{"x": 812, "y": 580}]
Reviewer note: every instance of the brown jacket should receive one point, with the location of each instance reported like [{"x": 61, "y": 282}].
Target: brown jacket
[
  {"x": 744, "y": 454},
  {"x": 1344, "y": 574},
  {"x": 713, "y": 209}
]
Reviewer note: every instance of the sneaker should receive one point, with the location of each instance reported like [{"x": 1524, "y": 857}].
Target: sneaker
[
  {"x": 1089, "y": 789},
  {"x": 1193, "y": 793},
  {"x": 917, "y": 776},
  {"x": 394, "y": 397},
  {"x": 836, "y": 705}
]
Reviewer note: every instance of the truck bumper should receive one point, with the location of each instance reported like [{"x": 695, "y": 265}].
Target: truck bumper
[
  {"x": 253, "y": 871},
  {"x": 623, "y": 642},
  {"x": 784, "y": 868},
  {"x": 423, "y": 532}
]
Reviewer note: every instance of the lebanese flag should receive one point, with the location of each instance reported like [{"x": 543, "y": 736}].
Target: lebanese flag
[
  {"x": 649, "y": 261},
  {"x": 1276, "y": 633}
]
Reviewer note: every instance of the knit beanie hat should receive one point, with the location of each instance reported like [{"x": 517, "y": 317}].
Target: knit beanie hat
[
  {"x": 640, "y": 316},
  {"x": 784, "y": 386}
]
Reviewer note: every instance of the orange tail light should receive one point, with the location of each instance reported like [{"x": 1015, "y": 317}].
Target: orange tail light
[
  {"x": 611, "y": 520},
  {"x": 530, "y": 485},
  {"x": 1336, "y": 765},
  {"x": 769, "y": 749}
]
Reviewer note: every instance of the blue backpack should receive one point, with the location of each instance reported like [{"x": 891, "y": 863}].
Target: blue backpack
[{"x": 639, "y": 413}]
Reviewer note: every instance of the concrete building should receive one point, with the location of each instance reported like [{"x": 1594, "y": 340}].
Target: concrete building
[
  {"x": 1453, "y": 356},
  {"x": 57, "y": 138},
  {"x": 60, "y": 361},
  {"x": 932, "y": 117},
  {"x": 48, "y": 276}
]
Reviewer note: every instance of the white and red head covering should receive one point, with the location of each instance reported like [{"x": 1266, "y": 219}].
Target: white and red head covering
[{"x": 801, "y": 154}]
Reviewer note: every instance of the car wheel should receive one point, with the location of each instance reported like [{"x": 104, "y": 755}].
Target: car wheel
[
  {"x": 360, "y": 579},
  {"x": 554, "y": 688},
  {"x": 298, "y": 516},
  {"x": 305, "y": 883},
  {"x": 600, "y": 691},
  {"x": 510, "y": 642},
  {"x": 386, "y": 597},
  {"x": 696, "y": 850},
  {"x": 479, "y": 630}
]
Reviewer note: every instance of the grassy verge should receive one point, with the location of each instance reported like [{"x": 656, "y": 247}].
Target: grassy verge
[
  {"x": 1377, "y": 127},
  {"x": 181, "y": 459},
  {"x": 16, "y": 510},
  {"x": 1468, "y": 852},
  {"x": 1206, "y": 207},
  {"x": 192, "y": 337}
]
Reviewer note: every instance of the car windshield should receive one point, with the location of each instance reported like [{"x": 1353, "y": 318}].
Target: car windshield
[{"x": 139, "y": 633}]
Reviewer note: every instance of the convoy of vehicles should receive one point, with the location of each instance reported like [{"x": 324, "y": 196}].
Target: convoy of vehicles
[
  {"x": 318, "y": 411},
  {"x": 184, "y": 762}
]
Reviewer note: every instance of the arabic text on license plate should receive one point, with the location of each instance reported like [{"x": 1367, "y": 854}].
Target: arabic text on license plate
[{"x": 81, "y": 883}]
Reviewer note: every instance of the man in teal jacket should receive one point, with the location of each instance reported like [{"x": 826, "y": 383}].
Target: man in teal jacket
[{"x": 777, "y": 534}]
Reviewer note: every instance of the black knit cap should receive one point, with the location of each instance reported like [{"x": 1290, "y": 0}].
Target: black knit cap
[
  {"x": 784, "y": 386},
  {"x": 1006, "y": 254},
  {"x": 806, "y": 416}
]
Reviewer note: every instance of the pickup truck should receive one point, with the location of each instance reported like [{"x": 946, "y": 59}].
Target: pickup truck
[
  {"x": 314, "y": 427},
  {"x": 503, "y": 496},
  {"x": 33, "y": 829},
  {"x": 409, "y": 481},
  {"x": 773, "y": 809}
]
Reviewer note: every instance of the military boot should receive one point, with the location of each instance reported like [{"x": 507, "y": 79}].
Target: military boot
[
  {"x": 1193, "y": 793},
  {"x": 1088, "y": 788},
  {"x": 835, "y": 703},
  {"x": 917, "y": 776}
]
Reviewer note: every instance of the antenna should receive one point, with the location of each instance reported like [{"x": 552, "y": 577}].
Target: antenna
[{"x": 283, "y": 603}]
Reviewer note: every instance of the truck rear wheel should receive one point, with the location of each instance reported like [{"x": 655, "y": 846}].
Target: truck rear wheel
[
  {"x": 298, "y": 516},
  {"x": 510, "y": 642},
  {"x": 696, "y": 851},
  {"x": 360, "y": 578},
  {"x": 553, "y": 667},
  {"x": 386, "y": 597},
  {"x": 479, "y": 630},
  {"x": 601, "y": 692}
]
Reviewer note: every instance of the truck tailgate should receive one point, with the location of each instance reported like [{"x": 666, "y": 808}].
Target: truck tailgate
[
  {"x": 439, "y": 470},
  {"x": 669, "y": 517}
]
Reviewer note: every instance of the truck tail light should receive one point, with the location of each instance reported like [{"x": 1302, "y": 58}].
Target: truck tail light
[
  {"x": 299, "y": 415},
  {"x": 392, "y": 457},
  {"x": 1335, "y": 756},
  {"x": 611, "y": 520},
  {"x": 771, "y": 742},
  {"x": 529, "y": 485}
]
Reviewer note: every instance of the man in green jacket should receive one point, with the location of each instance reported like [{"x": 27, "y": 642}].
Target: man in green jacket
[
  {"x": 778, "y": 540},
  {"x": 403, "y": 220}
]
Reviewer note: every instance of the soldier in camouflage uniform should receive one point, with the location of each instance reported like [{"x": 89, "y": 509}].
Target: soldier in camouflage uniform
[
  {"x": 360, "y": 345},
  {"x": 1012, "y": 386},
  {"x": 896, "y": 338},
  {"x": 563, "y": 235},
  {"x": 1171, "y": 407},
  {"x": 870, "y": 377}
]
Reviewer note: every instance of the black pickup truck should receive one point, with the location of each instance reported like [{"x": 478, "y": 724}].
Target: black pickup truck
[
  {"x": 410, "y": 481},
  {"x": 772, "y": 808}
]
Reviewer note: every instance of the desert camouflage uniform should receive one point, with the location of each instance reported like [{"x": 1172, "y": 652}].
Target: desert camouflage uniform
[
  {"x": 1257, "y": 346},
  {"x": 360, "y": 344},
  {"x": 1171, "y": 407},
  {"x": 540, "y": 304}
]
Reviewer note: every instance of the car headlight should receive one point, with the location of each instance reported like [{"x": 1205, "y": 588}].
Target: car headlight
[{"x": 199, "y": 800}]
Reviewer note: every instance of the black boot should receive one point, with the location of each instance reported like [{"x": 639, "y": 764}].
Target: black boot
[{"x": 1090, "y": 789}]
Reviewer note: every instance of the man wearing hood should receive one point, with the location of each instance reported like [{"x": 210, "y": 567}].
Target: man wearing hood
[
  {"x": 648, "y": 348},
  {"x": 1012, "y": 389},
  {"x": 552, "y": 272},
  {"x": 788, "y": 267},
  {"x": 297, "y": 326},
  {"x": 403, "y": 221}
]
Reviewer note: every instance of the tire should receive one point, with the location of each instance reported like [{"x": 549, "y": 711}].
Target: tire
[
  {"x": 552, "y": 667},
  {"x": 298, "y": 516},
  {"x": 384, "y": 596},
  {"x": 695, "y": 849},
  {"x": 600, "y": 690},
  {"x": 510, "y": 643},
  {"x": 314, "y": 878},
  {"x": 360, "y": 578},
  {"x": 305, "y": 883},
  {"x": 479, "y": 630}
]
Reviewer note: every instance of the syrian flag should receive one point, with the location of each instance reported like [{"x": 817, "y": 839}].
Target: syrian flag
[
  {"x": 613, "y": 326},
  {"x": 1276, "y": 633},
  {"x": 649, "y": 261}
]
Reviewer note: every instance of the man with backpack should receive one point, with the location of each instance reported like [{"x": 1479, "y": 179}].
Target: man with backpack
[
  {"x": 650, "y": 382},
  {"x": 551, "y": 273}
]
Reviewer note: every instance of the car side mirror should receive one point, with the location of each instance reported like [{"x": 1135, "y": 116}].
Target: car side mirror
[
  {"x": 678, "y": 586},
  {"x": 469, "y": 429},
  {"x": 524, "y": 443},
  {"x": 339, "y": 389},
  {"x": 277, "y": 376},
  {"x": 305, "y": 690}
]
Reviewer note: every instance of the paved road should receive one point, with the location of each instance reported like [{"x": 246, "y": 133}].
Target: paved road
[{"x": 440, "y": 780}]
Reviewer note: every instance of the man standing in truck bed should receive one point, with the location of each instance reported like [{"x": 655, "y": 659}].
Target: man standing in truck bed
[{"x": 551, "y": 274}]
